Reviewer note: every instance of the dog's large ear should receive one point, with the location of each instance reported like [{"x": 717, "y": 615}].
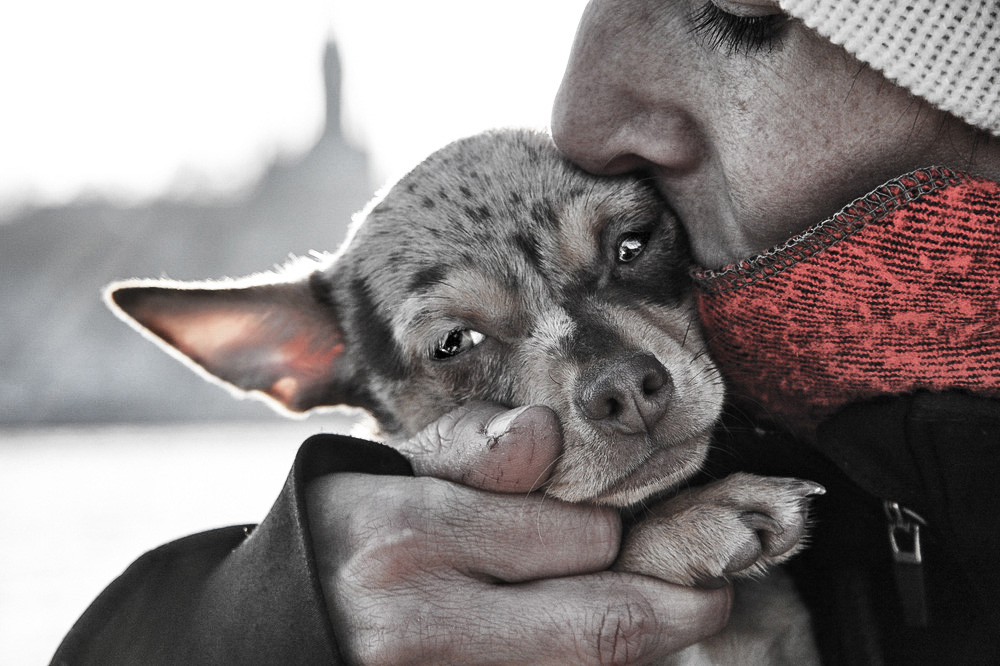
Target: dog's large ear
[{"x": 273, "y": 338}]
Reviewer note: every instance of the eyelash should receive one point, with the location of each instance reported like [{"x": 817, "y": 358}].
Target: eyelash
[{"x": 746, "y": 34}]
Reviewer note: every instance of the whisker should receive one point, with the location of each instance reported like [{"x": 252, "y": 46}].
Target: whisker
[{"x": 545, "y": 472}]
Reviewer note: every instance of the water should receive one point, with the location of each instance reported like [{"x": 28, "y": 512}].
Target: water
[{"x": 78, "y": 505}]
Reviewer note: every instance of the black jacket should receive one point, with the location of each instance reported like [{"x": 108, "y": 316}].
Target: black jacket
[
  {"x": 236, "y": 595},
  {"x": 245, "y": 595},
  {"x": 887, "y": 465}
]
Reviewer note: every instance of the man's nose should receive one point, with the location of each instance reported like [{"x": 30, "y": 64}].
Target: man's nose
[{"x": 621, "y": 108}]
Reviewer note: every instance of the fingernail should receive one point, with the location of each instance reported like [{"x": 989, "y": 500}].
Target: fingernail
[{"x": 500, "y": 424}]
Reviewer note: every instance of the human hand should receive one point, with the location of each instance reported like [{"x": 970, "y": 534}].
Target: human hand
[{"x": 426, "y": 570}]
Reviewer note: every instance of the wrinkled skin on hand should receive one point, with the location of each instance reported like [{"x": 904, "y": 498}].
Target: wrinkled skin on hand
[{"x": 477, "y": 568}]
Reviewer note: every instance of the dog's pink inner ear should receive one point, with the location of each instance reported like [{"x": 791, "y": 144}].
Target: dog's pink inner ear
[{"x": 269, "y": 338}]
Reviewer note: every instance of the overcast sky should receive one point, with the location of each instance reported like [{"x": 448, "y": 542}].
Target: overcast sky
[{"x": 135, "y": 99}]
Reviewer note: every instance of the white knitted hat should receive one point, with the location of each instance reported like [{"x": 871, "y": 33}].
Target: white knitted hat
[{"x": 944, "y": 51}]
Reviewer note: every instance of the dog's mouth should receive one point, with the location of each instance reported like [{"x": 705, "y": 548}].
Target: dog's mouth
[{"x": 662, "y": 471}]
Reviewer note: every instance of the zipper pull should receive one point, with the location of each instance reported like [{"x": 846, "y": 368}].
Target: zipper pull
[{"x": 904, "y": 540}]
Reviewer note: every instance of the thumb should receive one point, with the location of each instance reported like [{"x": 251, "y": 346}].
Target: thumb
[{"x": 485, "y": 446}]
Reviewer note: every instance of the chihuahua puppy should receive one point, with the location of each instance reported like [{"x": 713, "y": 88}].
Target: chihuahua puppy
[{"x": 498, "y": 271}]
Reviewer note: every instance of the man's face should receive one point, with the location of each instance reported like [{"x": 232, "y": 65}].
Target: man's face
[{"x": 753, "y": 126}]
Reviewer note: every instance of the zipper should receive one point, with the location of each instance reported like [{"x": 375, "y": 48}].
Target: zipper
[{"x": 908, "y": 561}]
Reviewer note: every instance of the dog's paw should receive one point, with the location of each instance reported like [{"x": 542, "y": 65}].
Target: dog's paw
[{"x": 736, "y": 527}]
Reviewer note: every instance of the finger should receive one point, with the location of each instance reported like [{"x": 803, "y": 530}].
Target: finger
[
  {"x": 423, "y": 524},
  {"x": 611, "y": 618},
  {"x": 485, "y": 446},
  {"x": 596, "y": 619},
  {"x": 517, "y": 539}
]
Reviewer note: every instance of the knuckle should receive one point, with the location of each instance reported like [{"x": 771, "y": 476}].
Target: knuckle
[
  {"x": 383, "y": 645},
  {"x": 397, "y": 536},
  {"x": 424, "y": 448},
  {"x": 445, "y": 429},
  {"x": 391, "y": 579},
  {"x": 381, "y": 633},
  {"x": 622, "y": 635},
  {"x": 418, "y": 624},
  {"x": 459, "y": 424},
  {"x": 440, "y": 447}
]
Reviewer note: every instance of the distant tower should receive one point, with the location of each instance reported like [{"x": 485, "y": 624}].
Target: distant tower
[{"x": 331, "y": 78}]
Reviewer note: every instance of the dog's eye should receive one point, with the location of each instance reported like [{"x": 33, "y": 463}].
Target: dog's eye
[
  {"x": 631, "y": 245},
  {"x": 455, "y": 342}
]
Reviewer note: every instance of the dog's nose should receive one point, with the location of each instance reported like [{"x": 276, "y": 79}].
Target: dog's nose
[{"x": 628, "y": 393}]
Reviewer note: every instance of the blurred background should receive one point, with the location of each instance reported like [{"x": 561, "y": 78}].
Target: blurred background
[{"x": 194, "y": 140}]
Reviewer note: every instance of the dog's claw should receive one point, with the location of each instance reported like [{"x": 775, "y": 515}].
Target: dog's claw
[{"x": 811, "y": 488}]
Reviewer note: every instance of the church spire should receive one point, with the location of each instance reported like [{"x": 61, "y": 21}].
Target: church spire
[{"x": 331, "y": 79}]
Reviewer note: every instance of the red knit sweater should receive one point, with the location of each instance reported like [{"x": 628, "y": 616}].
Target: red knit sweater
[{"x": 899, "y": 291}]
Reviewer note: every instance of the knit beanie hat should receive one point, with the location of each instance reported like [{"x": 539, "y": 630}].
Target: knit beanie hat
[{"x": 946, "y": 52}]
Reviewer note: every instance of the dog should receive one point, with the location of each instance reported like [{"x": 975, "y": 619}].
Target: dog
[{"x": 498, "y": 271}]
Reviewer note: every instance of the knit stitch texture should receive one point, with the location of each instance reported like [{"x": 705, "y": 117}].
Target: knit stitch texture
[
  {"x": 946, "y": 52},
  {"x": 899, "y": 291}
]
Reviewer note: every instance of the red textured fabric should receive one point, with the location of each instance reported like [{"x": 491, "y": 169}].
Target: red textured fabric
[{"x": 897, "y": 292}]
